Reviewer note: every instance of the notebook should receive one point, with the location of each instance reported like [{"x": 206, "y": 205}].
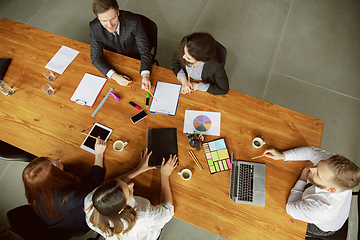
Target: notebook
[
  {"x": 162, "y": 142},
  {"x": 247, "y": 182},
  {"x": 88, "y": 90}
]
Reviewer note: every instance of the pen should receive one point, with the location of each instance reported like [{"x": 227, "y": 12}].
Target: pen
[
  {"x": 258, "y": 157},
  {"x": 116, "y": 97},
  {"x": 147, "y": 100},
  {"x": 150, "y": 93},
  {"x": 87, "y": 127},
  {"x": 134, "y": 105}
]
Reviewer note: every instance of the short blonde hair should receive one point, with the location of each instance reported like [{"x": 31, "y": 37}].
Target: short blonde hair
[{"x": 346, "y": 173}]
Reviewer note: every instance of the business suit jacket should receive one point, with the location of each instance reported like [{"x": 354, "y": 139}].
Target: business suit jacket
[
  {"x": 133, "y": 40},
  {"x": 213, "y": 73},
  {"x": 72, "y": 216}
]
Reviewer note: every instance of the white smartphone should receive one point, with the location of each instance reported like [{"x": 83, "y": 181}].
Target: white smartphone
[
  {"x": 137, "y": 117},
  {"x": 96, "y": 130}
]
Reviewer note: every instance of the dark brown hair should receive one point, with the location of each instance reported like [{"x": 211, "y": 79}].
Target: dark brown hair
[
  {"x": 201, "y": 46},
  {"x": 108, "y": 200},
  {"x": 347, "y": 174},
  {"x": 100, "y": 6},
  {"x": 42, "y": 179}
]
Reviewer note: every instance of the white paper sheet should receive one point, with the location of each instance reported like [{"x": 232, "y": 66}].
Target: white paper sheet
[
  {"x": 62, "y": 59},
  {"x": 202, "y": 120},
  {"x": 88, "y": 90},
  {"x": 167, "y": 96}
]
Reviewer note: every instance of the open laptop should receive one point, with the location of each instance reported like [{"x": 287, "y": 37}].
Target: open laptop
[{"x": 247, "y": 182}]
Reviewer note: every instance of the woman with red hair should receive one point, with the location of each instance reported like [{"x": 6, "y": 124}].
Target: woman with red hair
[{"x": 58, "y": 196}]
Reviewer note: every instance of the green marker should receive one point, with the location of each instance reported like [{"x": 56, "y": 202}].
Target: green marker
[{"x": 147, "y": 100}]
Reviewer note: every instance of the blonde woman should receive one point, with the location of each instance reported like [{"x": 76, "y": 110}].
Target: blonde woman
[{"x": 115, "y": 213}]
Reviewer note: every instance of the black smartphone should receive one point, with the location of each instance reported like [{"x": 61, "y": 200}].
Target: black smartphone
[{"x": 137, "y": 117}]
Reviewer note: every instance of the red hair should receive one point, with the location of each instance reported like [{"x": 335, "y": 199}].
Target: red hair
[{"x": 42, "y": 179}]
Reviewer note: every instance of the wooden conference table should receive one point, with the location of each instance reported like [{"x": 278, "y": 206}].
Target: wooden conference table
[{"x": 51, "y": 125}]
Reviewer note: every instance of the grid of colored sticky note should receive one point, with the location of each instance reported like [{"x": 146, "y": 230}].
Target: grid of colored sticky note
[{"x": 217, "y": 155}]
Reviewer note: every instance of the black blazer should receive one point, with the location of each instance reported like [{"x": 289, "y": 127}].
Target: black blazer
[
  {"x": 213, "y": 73},
  {"x": 72, "y": 221},
  {"x": 133, "y": 40}
]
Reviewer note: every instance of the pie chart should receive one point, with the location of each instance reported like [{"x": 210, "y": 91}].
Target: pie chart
[{"x": 202, "y": 123}]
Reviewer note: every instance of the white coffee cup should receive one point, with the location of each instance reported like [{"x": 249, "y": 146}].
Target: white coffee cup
[
  {"x": 258, "y": 142},
  {"x": 185, "y": 174},
  {"x": 119, "y": 145}
]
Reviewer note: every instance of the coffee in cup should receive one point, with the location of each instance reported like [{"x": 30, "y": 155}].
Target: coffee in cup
[
  {"x": 258, "y": 142},
  {"x": 185, "y": 174},
  {"x": 119, "y": 145}
]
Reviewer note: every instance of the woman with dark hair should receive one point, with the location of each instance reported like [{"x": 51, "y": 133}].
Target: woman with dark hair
[
  {"x": 196, "y": 58},
  {"x": 115, "y": 213},
  {"x": 58, "y": 196}
]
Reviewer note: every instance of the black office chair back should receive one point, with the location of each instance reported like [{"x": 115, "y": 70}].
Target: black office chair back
[
  {"x": 340, "y": 234},
  {"x": 221, "y": 52},
  {"x": 28, "y": 225},
  {"x": 152, "y": 34},
  {"x": 10, "y": 153}
]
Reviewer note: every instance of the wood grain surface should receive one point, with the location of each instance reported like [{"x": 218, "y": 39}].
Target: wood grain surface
[{"x": 51, "y": 126}]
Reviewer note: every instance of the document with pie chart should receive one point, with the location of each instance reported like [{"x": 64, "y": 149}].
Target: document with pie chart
[{"x": 206, "y": 123}]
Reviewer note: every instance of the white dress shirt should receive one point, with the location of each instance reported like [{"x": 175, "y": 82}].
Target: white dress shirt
[
  {"x": 327, "y": 210},
  {"x": 149, "y": 221}
]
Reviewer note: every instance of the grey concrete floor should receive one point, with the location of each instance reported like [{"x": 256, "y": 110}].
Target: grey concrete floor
[{"x": 300, "y": 54}]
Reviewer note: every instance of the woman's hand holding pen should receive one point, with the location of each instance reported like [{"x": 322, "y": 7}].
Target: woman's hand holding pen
[{"x": 185, "y": 86}]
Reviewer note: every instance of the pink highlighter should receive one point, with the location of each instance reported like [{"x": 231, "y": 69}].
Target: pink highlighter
[
  {"x": 134, "y": 105},
  {"x": 116, "y": 97}
]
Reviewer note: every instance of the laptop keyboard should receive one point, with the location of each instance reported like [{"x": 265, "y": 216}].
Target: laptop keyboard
[{"x": 246, "y": 176}]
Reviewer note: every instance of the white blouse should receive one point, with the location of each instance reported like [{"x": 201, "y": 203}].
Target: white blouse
[{"x": 149, "y": 222}]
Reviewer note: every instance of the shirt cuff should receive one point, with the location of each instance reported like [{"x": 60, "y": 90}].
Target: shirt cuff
[
  {"x": 181, "y": 75},
  {"x": 203, "y": 86},
  {"x": 145, "y": 72},
  {"x": 300, "y": 185},
  {"x": 110, "y": 73}
]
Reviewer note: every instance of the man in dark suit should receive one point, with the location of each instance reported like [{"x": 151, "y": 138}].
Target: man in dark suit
[{"x": 121, "y": 32}]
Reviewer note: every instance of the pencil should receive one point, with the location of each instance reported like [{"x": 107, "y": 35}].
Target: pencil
[
  {"x": 195, "y": 159},
  {"x": 258, "y": 157},
  {"x": 88, "y": 135},
  {"x": 150, "y": 93},
  {"x": 189, "y": 83},
  {"x": 87, "y": 127}
]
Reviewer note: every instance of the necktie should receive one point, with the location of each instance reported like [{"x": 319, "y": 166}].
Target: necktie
[{"x": 117, "y": 43}]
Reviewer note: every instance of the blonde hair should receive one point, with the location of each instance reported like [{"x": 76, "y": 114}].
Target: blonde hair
[
  {"x": 346, "y": 173},
  {"x": 108, "y": 200}
]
